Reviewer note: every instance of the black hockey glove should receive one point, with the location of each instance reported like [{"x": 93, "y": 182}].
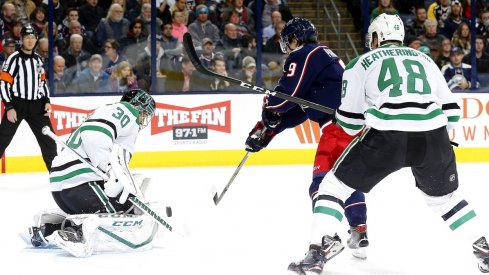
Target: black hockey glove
[
  {"x": 259, "y": 137},
  {"x": 270, "y": 119}
]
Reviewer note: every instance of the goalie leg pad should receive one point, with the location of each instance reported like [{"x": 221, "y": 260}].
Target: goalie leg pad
[{"x": 107, "y": 233}]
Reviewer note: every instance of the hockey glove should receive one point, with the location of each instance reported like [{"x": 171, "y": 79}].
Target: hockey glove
[
  {"x": 270, "y": 119},
  {"x": 259, "y": 137}
]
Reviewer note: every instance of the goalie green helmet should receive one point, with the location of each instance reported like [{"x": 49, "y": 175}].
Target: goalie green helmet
[
  {"x": 143, "y": 102},
  {"x": 387, "y": 27}
]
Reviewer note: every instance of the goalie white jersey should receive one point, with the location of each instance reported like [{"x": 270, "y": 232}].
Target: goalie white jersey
[
  {"x": 116, "y": 123},
  {"x": 388, "y": 89}
]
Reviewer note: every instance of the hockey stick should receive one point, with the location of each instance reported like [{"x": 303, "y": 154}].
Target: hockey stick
[
  {"x": 133, "y": 199},
  {"x": 217, "y": 198},
  {"x": 192, "y": 54}
]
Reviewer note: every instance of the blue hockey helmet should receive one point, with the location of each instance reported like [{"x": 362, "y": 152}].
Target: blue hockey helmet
[
  {"x": 143, "y": 102},
  {"x": 299, "y": 28}
]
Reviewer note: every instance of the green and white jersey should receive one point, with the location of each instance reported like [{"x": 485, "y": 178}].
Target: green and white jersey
[
  {"x": 93, "y": 140},
  {"x": 395, "y": 88}
]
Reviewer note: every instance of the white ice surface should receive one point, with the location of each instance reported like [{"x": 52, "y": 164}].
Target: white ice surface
[{"x": 260, "y": 226}]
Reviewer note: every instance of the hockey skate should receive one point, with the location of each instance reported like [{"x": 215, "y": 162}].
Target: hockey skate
[
  {"x": 481, "y": 252},
  {"x": 71, "y": 240},
  {"x": 317, "y": 256},
  {"x": 358, "y": 241}
]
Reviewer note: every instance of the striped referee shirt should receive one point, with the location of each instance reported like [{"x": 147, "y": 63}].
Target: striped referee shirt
[{"x": 23, "y": 76}]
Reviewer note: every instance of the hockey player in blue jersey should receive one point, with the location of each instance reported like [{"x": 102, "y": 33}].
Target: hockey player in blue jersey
[{"x": 312, "y": 72}]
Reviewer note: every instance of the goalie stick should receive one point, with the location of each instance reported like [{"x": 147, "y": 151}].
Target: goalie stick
[
  {"x": 192, "y": 54},
  {"x": 217, "y": 198},
  {"x": 133, "y": 199}
]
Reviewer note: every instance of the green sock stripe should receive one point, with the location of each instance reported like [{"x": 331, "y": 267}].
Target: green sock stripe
[
  {"x": 329, "y": 211},
  {"x": 465, "y": 218}
]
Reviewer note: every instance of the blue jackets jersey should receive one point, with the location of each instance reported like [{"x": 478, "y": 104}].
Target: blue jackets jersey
[{"x": 311, "y": 72}]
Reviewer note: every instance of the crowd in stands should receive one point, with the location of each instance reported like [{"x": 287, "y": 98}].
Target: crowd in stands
[
  {"x": 441, "y": 29},
  {"x": 105, "y": 46}
]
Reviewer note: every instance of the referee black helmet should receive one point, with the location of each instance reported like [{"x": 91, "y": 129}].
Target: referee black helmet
[{"x": 27, "y": 29}]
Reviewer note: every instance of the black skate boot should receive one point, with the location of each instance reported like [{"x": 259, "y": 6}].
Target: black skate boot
[
  {"x": 481, "y": 252},
  {"x": 358, "y": 241},
  {"x": 317, "y": 256},
  {"x": 38, "y": 234},
  {"x": 37, "y": 237}
]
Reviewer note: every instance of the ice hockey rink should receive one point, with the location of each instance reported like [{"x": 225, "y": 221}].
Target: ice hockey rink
[{"x": 260, "y": 226}]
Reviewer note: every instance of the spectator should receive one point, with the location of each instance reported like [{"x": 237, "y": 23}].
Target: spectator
[
  {"x": 122, "y": 78},
  {"x": 112, "y": 56},
  {"x": 58, "y": 10},
  {"x": 269, "y": 6},
  {"x": 415, "y": 27},
  {"x": 230, "y": 46},
  {"x": 385, "y": 6},
  {"x": 467, "y": 6},
  {"x": 454, "y": 19},
  {"x": 90, "y": 16},
  {"x": 443, "y": 56},
  {"x": 8, "y": 49},
  {"x": 180, "y": 6},
  {"x": 135, "y": 41},
  {"x": 38, "y": 20},
  {"x": 163, "y": 12},
  {"x": 42, "y": 49},
  {"x": 248, "y": 72},
  {"x": 269, "y": 31},
  {"x": 439, "y": 12},
  {"x": 185, "y": 79},
  {"x": 60, "y": 79},
  {"x": 114, "y": 26},
  {"x": 15, "y": 33},
  {"x": 145, "y": 16},
  {"x": 9, "y": 16},
  {"x": 207, "y": 54},
  {"x": 233, "y": 17},
  {"x": 171, "y": 46},
  {"x": 202, "y": 27},
  {"x": 92, "y": 79},
  {"x": 246, "y": 16},
  {"x": 178, "y": 25},
  {"x": 481, "y": 56},
  {"x": 461, "y": 38},
  {"x": 88, "y": 44},
  {"x": 457, "y": 74},
  {"x": 414, "y": 43},
  {"x": 24, "y": 9},
  {"x": 248, "y": 46},
  {"x": 482, "y": 25},
  {"x": 218, "y": 65},
  {"x": 72, "y": 14},
  {"x": 272, "y": 46},
  {"x": 142, "y": 69},
  {"x": 431, "y": 38},
  {"x": 76, "y": 58},
  {"x": 214, "y": 17}
]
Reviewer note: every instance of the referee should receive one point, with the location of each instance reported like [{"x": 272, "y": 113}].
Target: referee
[{"x": 24, "y": 91}]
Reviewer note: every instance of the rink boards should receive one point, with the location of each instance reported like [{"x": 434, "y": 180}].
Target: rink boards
[{"x": 210, "y": 130}]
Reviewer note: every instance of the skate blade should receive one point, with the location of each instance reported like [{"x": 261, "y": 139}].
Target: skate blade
[{"x": 360, "y": 253}]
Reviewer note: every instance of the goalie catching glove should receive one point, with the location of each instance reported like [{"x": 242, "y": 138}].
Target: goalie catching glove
[{"x": 259, "y": 137}]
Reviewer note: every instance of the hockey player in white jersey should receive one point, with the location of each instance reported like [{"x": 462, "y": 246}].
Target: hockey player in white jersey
[
  {"x": 98, "y": 216},
  {"x": 400, "y": 99}
]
